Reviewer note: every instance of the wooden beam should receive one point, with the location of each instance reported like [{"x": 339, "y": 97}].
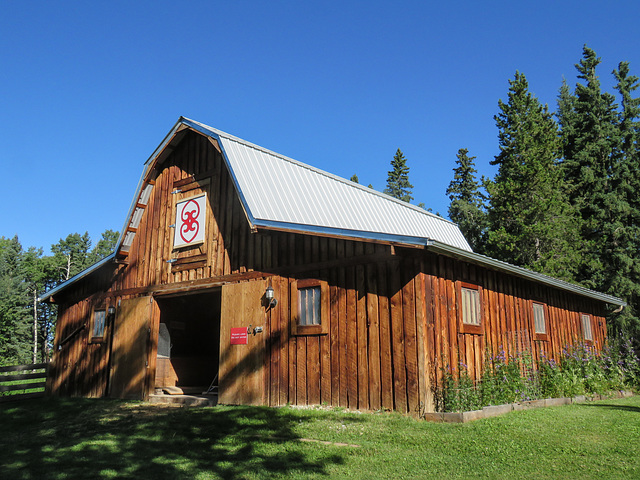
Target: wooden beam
[{"x": 215, "y": 144}]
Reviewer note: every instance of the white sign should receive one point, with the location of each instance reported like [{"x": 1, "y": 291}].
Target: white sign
[{"x": 191, "y": 214}]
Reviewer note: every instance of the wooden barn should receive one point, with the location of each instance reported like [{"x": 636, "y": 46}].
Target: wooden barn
[{"x": 281, "y": 283}]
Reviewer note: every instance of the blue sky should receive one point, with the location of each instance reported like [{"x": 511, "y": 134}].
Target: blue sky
[{"x": 89, "y": 89}]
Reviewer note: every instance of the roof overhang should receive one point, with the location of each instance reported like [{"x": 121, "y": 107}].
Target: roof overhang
[
  {"x": 521, "y": 272},
  {"x": 88, "y": 271}
]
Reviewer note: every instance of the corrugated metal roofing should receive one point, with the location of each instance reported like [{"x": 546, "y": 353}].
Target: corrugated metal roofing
[{"x": 278, "y": 191}]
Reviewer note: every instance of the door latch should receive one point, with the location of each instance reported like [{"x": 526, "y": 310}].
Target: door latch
[{"x": 257, "y": 330}]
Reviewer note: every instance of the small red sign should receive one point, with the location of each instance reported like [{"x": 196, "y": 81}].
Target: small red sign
[{"x": 239, "y": 336}]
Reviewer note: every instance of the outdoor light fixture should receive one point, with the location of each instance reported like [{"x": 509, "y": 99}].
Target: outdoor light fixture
[
  {"x": 270, "y": 296},
  {"x": 111, "y": 311}
]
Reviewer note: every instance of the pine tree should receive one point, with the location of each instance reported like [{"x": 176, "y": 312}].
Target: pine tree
[
  {"x": 354, "y": 178},
  {"x": 398, "y": 185},
  {"x": 72, "y": 254},
  {"x": 104, "y": 247},
  {"x": 467, "y": 203},
  {"x": 530, "y": 220}
]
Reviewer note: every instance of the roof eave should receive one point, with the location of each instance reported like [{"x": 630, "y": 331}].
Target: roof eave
[
  {"x": 77, "y": 277},
  {"x": 521, "y": 272},
  {"x": 401, "y": 240}
]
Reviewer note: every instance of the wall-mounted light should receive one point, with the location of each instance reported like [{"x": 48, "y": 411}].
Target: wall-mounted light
[
  {"x": 269, "y": 294},
  {"x": 111, "y": 311}
]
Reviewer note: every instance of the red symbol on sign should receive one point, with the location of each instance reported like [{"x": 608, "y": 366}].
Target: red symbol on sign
[{"x": 189, "y": 216}]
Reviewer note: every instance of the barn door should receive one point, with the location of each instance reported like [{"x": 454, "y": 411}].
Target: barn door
[
  {"x": 242, "y": 344},
  {"x": 129, "y": 349}
]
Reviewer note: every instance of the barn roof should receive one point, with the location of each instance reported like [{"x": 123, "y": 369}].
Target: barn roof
[{"x": 279, "y": 193}]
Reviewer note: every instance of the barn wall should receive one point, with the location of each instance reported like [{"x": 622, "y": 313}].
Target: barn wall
[
  {"x": 371, "y": 357},
  {"x": 507, "y": 317}
]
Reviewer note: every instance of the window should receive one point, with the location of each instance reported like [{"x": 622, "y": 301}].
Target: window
[
  {"x": 469, "y": 308},
  {"x": 97, "y": 329},
  {"x": 309, "y": 307},
  {"x": 586, "y": 327},
  {"x": 539, "y": 321}
]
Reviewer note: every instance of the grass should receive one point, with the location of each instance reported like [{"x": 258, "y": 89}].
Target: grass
[
  {"x": 82, "y": 438},
  {"x": 5, "y": 381}
]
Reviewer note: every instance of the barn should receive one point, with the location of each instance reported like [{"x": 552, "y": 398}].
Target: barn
[{"x": 274, "y": 282}]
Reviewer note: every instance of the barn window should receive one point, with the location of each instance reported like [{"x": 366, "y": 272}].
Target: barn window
[
  {"x": 97, "y": 327},
  {"x": 469, "y": 307},
  {"x": 309, "y": 307},
  {"x": 586, "y": 327},
  {"x": 539, "y": 321}
]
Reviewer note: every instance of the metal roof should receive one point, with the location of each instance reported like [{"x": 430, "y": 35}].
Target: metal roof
[{"x": 278, "y": 192}]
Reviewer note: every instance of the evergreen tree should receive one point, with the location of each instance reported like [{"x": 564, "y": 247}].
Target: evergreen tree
[
  {"x": 105, "y": 246},
  {"x": 467, "y": 203},
  {"x": 72, "y": 254},
  {"x": 622, "y": 235},
  {"x": 14, "y": 300},
  {"x": 530, "y": 220},
  {"x": 398, "y": 185},
  {"x": 354, "y": 178},
  {"x": 590, "y": 139}
]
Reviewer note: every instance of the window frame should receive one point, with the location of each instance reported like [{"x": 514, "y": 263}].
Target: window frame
[
  {"x": 92, "y": 325},
  {"x": 541, "y": 336},
  {"x": 589, "y": 319},
  {"x": 296, "y": 328},
  {"x": 469, "y": 328}
]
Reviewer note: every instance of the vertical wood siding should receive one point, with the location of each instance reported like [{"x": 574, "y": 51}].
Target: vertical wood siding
[{"x": 393, "y": 318}]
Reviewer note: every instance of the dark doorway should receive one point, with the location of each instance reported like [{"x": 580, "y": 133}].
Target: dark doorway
[{"x": 188, "y": 342}]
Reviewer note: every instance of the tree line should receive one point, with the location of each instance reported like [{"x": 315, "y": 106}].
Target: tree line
[
  {"x": 564, "y": 201},
  {"x": 26, "y": 325}
]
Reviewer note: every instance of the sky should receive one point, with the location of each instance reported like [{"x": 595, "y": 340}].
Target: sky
[{"x": 88, "y": 90}]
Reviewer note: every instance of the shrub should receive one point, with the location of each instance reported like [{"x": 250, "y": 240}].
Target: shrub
[{"x": 580, "y": 370}]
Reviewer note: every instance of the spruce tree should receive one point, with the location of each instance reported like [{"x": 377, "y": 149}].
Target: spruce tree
[
  {"x": 467, "y": 208},
  {"x": 530, "y": 222},
  {"x": 398, "y": 185},
  {"x": 590, "y": 140},
  {"x": 622, "y": 235}
]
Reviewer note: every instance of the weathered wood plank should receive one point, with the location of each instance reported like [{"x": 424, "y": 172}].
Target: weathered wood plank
[
  {"x": 411, "y": 340},
  {"x": 361, "y": 325},
  {"x": 352, "y": 340},
  {"x": 386, "y": 358},
  {"x": 398, "y": 340},
  {"x": 375, "y": 390}
]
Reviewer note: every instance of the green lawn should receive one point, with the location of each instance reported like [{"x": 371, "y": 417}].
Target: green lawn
[{"x": 83, "y": 438}]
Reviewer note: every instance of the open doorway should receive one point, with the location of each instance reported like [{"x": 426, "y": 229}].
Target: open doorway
[{"x": 188, "y": 343}]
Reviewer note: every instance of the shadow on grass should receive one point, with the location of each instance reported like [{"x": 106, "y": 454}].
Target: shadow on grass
[
  {"x": 83, "y": 438},
  {"x": 628, "y": 408}
]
